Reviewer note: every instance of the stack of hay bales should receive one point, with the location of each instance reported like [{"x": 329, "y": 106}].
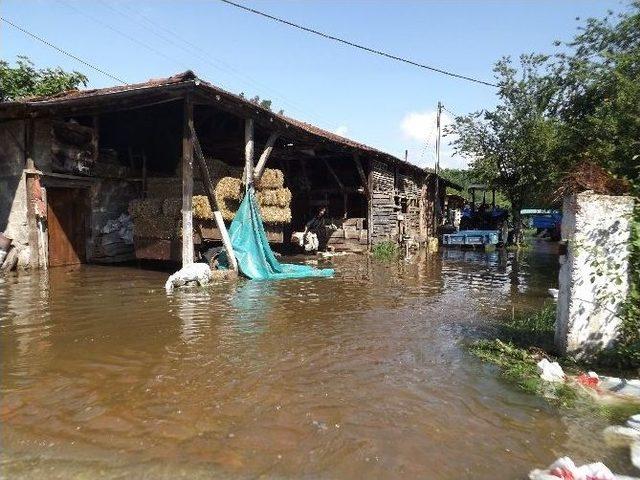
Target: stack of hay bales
[
  {"x": 274, "y": 199},
  {"x": 159, "y": 215},
  {"x": 152, "y": 220}
]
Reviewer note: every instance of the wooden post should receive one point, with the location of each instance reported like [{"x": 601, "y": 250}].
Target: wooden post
[
  {"x": 363, "y": 177},
  {"x": 265, "y": 156},
  {"x": 226, "y": 241},
  {"x": 204, "y": 169},
  {"x": 333, "y": 174},
  {"x": 30, "y": 184},
  {"x": 370, "y": 206},
  {"x": 249, "y": 147},
  {"x": 187, "y": 183}
]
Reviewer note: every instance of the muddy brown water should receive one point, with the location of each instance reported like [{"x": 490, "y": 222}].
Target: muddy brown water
[{"x": 364, "y": 375}]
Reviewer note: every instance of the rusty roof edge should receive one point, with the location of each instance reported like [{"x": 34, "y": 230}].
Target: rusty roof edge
[{"x": 188, "y": 80}]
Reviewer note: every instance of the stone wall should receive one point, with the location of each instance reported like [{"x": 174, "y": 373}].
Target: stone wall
[
  {"x": 13, "y": 195},
  {"x": 593, "y": 279}
]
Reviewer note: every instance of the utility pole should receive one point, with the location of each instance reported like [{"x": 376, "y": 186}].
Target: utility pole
[{"x": 436, "y": 202}]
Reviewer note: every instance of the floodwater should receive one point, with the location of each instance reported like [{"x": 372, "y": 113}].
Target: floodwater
[{"x": 364, "y": 375}]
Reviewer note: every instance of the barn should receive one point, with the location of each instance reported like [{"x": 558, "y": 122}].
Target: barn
[{"x": 113, "y": 174}]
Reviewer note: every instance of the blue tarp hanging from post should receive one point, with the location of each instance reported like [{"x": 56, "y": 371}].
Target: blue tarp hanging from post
[{"x": 254, "y": 255}]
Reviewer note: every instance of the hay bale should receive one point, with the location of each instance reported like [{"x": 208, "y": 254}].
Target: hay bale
[
  {"x": 159, "y": 226},
  {"x": 228, "y": 208},
  {"x": 275, "y": 215},
  {"x": 227, "y": 192},
  {"x": 278, "y": 197},
  {"x": 271, "y": 178},
  {"x": 201, "y": 208},
  {"x": 172, "y": 207},
  {"x": 150, "y": 207},
  {"x": 163, "y": 187}
]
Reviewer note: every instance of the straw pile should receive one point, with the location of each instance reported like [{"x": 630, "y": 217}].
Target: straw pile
[
  {"x": 159, "y": 215},
  {"x": 172, "y": 207},
  {"x": 275, "y": 215},
  {"x": 159, "y": 226},
  {"x": 271, "y": 178},
  {"x": 151, "y": 207},
  {"x": 277, "y": 197},
  {"x": 201, "y": 208},
  {"x": 273, "y": 198}
]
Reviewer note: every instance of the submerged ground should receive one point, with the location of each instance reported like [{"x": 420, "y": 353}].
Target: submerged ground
[{"x": 361, "y": 376}]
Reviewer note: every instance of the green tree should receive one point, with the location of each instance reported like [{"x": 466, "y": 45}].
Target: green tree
[
  {"x": 599, "y": 100},
  {"x": 24, "y": 80},
  {"x": 512, "y": 146}
]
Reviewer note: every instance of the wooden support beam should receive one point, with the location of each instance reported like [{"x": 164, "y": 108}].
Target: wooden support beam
[
  {"x": 187, "y": 183},
  {"x": 363, "y": 177},
  {"x": 226, "y": 241},
  {"x": 32, "y": 185},
  {"x": 333, "y": 174},
  {"x": 370, "y": 206},
  {"x": 249, "y": 148},
  {"x": 204, "y": 169},
  {"x": 262, "y": 161}
]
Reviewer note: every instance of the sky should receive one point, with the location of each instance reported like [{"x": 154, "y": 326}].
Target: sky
[{"x": 377, "y": 101}]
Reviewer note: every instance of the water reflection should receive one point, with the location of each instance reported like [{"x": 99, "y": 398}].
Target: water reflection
[{"x": 362, "y": 375}]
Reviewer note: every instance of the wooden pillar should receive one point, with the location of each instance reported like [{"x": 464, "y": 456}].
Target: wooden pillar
[
  {"x": 249, "y": 148},
  {"x": 370, "y": 205},
  {"x": 262, "y": 161},
  {"x": 187, "y": 183},
  {"x": 31, "y": 181}
]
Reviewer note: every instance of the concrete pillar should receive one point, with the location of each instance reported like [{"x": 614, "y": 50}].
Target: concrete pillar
[{"x": 594, "y": 277}]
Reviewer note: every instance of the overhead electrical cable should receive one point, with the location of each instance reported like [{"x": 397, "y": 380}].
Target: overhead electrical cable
[
  {"x": 64, "y": 52},
  {"x": 357, "y": 45},
  {"x": 204, "y": 55},
  {"x": 126, "y": 35}
]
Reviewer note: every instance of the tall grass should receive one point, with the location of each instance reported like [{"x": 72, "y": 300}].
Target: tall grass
[{"x": 385, "y": 251}]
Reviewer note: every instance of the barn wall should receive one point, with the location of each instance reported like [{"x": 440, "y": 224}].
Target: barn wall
[
  {"x": 13, "y": 195},
  {"x": 384, "y": 215},
  {"x": 401, "y": 204}
]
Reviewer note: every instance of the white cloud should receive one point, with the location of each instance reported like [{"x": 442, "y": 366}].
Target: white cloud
[
  {"x": 419, "y": 129},
  {"x": 342, "y": 130}
]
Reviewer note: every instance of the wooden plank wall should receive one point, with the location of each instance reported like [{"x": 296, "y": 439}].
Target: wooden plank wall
[
  {"x": 389, "y": 190},
  {"x": 384, "y": 214}
]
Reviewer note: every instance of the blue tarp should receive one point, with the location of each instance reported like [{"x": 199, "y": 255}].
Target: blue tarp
[{"x": 254, "y": 255}]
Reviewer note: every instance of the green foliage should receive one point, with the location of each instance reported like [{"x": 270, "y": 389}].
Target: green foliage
[
  {"x": 534, "y": 329},
  {"x": 464, "y": 178},
  {"x": 513, "y": 145},
  {"x": 261, "y": 102},
  {"x": 23, "y": 80},
  {"x": 516, "y": 364},
  {"x": 519, "y": 366},
  {"x": 385, "y": 251},
  {"x": 599, "y": 99}
]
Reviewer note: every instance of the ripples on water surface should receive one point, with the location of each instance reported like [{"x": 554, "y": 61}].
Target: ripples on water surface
[{"x": 359, "y": 376}]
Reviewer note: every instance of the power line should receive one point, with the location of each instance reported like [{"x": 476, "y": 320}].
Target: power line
[
  {"x": 198, "y": 52},
  {"x": 356, "y": 45},
  {"x": 64, "y": 52},
  {"x": 125, "y": 35}
]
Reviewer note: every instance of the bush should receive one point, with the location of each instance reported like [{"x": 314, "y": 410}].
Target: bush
[{"x": 385, "y": 251}]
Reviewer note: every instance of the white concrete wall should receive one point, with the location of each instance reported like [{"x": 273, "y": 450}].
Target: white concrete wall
[
  {"x": 13, "y": 195},
  {"x": 593, "y": 279}
]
